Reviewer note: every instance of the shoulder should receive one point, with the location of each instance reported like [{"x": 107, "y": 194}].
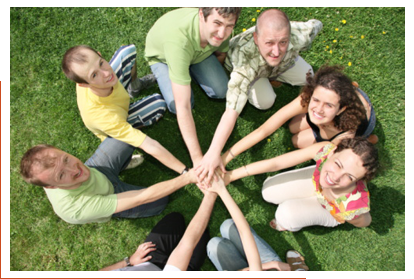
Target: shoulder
[{"x": 323, "y": 149}]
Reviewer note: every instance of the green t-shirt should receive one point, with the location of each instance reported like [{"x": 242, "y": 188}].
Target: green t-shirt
[
  {"x": 175, "y": 40},
  {"x": 93, "y": 201}
]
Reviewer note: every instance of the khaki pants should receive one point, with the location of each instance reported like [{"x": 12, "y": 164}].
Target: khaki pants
[
  {"x": 262, "y": 95},
  {"x": 295, "y": 194}
]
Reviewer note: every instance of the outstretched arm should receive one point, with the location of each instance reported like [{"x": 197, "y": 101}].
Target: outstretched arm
[
  {"x": 212, "y": 159},
  {"x": 182, "y": 97},
  {"x": 270, "y": 126},
  {"x": 159, "y": 152},
  {"x": 181, "y": 255},
  {"x": 281, "y": 162},
  {"x": 246, "y": 236},
  {"x": 130, "y": 199}
]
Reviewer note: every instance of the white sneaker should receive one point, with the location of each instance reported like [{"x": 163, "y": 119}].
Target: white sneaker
[{"x": 136, "y": 160}]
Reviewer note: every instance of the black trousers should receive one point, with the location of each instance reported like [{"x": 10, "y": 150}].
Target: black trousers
[{"x": 167, "y": 234}]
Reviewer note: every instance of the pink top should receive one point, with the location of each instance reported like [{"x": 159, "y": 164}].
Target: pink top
[{"x": 344, "y": 208}]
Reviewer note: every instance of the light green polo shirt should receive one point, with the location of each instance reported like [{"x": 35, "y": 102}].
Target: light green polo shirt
[
  {"x": 175, "y": 40},
  {"x": 93, "y": 201}
]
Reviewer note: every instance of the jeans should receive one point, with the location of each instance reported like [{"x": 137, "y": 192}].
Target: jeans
[
  {"x": 227, "y": 252},
  {"x": 209, "y": 74},
  {"x": 111, "y": 157}
]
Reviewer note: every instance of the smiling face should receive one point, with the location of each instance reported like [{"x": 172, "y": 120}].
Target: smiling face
[
  {"x": 215, "y": 29},
  {"x": 341, "y": 170},
  {"x": 96, "y": 72},
  {"x": 272, "y": 44},
  {"x": 324, "y": 106},
  {"x": 67, "y": 171}
]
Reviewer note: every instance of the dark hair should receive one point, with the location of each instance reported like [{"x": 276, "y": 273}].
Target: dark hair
[
  {"x": 32, "y": 157},
  {"x": 365, "y": 150},
  {"x": 74, "y": 55},
  {"x": 332, "y": 78},
  {"x": 223, "y": 11}
]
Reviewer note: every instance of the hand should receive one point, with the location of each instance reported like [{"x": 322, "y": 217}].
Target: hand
[
  {"x": 217, "y": 185},
  {"x": 141, "y": 253},
  {"x": 205, "y": 170}
]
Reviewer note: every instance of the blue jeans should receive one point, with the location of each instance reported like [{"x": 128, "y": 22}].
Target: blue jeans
[
  {"x": 372, "y": 118},
  {"x": 111, "y": 157},
  {"x": 227, "y": 252},
  {"x": 209, "y": 74}
]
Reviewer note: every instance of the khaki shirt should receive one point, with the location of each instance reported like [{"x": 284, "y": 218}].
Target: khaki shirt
[{"x": 246, "y": 64}]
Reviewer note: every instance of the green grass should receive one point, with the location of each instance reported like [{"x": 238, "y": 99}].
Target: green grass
[{"x": 43, "y": 110}]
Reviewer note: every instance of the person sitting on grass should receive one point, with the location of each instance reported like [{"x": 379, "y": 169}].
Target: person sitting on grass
[
  {"x": 263, "y": 55},
  {"x": 182, "y": 256},
  {"x": 227, "y": 253},
  {"x": 92, "y": 192},
  {"x": 329, "y": 108},
  {"x": 153, "y": 254},
  {"x": 330, "y": 193},
  {"x": 104, "y": 103}
]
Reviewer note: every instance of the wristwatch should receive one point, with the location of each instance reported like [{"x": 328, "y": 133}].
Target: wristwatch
[
  {"x": 185, "y": 170},
  {"x": 126, "y": 259}
]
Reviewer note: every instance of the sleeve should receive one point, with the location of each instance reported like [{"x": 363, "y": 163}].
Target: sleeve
[
  {"x": 115, "y": 126},
  {"x": 169, "y": 267},
  {"x": 236, "y": 97},
  {"x": 303, "y": 33},
  {"x": 96, "y": 207},
  {"x": 246, "y": 65},
  {"x": 178, "y": 59}
]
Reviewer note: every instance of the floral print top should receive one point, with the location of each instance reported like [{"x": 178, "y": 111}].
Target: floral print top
[{"x": 344, "y": 208}]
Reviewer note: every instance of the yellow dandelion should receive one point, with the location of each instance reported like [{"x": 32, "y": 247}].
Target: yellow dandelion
[
  {"x": 334, "y": 41},
  {"x": 253, "y": 19},
  {"x": 349, "y": 64},
  {"x": 330, "y": 51},
  {"x": 383, "y": 32},
  {"x": 336, "y": 29},
  {"x": 244, "y": 29},
  {"x": 362, "y": 36},
  {"x": 258, "y": 11},
  {"x": 340, "y": 57},
  {"x": 351, "y": 36},
  {"x": 327, "y": 46},
  {"x": 269, "y": 140},
  {"x": 343, "y": 21}
]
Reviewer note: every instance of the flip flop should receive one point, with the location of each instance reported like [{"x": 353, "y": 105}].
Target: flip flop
[{"x": 296, "y": 261}]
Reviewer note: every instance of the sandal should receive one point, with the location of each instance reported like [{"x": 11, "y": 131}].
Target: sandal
[
  {"x": 296, "y": 261},
  {"x": 274, "y": 225}
]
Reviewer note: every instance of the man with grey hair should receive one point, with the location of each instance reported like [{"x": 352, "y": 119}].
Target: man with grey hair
[{"x": 257, "y": 58}]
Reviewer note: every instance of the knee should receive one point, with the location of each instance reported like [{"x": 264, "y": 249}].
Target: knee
[
  {"x": 295, "y": 141},
  {"x": 171, "y": 107},
  {"x": 286, "y": 216},
  {"x": 212, "y": 246},
  {"x": 225, "y": 227}
]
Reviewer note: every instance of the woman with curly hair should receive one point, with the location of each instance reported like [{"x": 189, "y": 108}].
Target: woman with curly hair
[
  {"x": 336, "y": 108},
  {"x": 330, "y": 193},
  {"x": 329, "y": 108}
]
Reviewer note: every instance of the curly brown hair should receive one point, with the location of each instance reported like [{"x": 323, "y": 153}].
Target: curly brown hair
[
  {"x": 365, "y": 150},
  {"x": 332, "y": 78}
]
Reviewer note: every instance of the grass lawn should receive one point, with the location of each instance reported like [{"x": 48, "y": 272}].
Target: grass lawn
[{"x": 369, "y": 42}]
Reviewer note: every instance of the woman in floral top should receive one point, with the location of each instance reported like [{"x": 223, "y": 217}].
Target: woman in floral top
[{"x": 328, "y": 194}]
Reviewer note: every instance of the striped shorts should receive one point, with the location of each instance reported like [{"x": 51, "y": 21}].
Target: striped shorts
[{"x": 146, "y": 111}]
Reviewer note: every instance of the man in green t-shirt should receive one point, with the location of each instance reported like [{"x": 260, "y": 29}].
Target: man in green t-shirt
[
  {"x": 190, "y": 43},
  {"x": 92, "y": 192}
]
